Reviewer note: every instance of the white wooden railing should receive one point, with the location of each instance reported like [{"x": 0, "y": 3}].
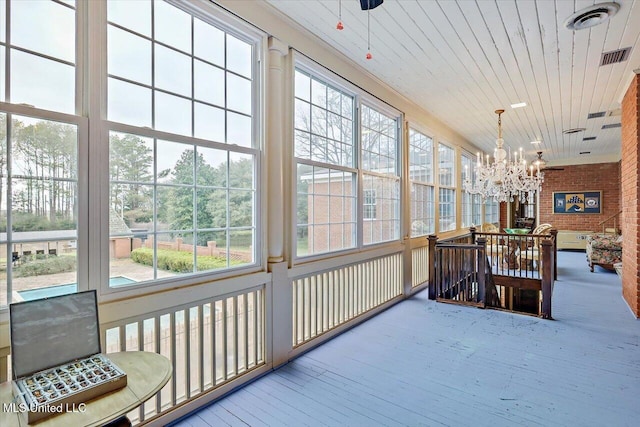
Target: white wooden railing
[
  {"x": 419, "y": 266},
  {"x": 209, "y": 342},
  {"x": 328, "y": 299},
  {"x": 221, "y": 334}
]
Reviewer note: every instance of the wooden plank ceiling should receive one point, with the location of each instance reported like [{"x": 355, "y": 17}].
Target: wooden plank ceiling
[{"x": 461, "y": 60}]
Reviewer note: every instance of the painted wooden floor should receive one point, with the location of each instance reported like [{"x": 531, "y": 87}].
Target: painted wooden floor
[{"x": 423, "y": 363}]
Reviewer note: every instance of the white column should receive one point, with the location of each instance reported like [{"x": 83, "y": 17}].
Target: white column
[{"x": 274, "y": 150}]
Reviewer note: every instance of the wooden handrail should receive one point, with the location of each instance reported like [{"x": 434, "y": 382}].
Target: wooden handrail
[
  {"x": 602, "y": 223},
  {"x": 612, "y": 216}
]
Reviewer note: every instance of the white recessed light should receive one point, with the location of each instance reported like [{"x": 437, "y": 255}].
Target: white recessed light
[
  {"x": 519, "y": 105},
  {"x": 536, "y": 142}
]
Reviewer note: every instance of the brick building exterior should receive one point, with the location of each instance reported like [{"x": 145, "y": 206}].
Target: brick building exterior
[{"x": 331, "y": 208}]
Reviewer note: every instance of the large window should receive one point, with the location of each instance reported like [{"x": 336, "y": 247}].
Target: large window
[
  {"x": 379, "y": 148},
  {"x": 326, "y": 152},
  {"x": 326, "y": 178},
  {"x": 187, "y": 203},
  {"x": 447, "y": 192},
  {"x": 421, "y": 176},
  {"x": 39, "y": 143},
  {"x": 471, "y": 203}
]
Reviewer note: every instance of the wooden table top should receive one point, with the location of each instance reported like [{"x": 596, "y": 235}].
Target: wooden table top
[{"x": 146, "y": 373}]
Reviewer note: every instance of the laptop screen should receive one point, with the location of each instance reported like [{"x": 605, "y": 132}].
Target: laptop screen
[{"x": 51, "y": 331}]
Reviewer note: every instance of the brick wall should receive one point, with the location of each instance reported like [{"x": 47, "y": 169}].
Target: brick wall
[
  {"x": 630, "y": 189},
  {"x": 603, "y": 177}
]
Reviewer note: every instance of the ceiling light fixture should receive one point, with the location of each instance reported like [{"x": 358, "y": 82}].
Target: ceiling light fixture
[
  {"x": 519, "y": 105},
  {"x": 339, "y": 25},
  {"x": 503, "y": 179},
  {"x": 591, "y": 16},
  {"x": 536, "y": 142}
]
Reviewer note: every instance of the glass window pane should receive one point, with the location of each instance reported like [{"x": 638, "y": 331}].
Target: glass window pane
[
  {"x": 172, "y": 114},
  {"x": 42, "y": 83},
  {"x": 303, "y": 86},
  {"x": 447, "y": 208},
  {"x": 302, "y": 118},
  {"x": 239, "y": 129},
  {"x": 212, "y": 208},
  {"x": 175, "y": 162},
  {"x": 240, "y": 208},
  {"x": 130, "y": 158},
  {"x": 2, "y": 80},
  {"x": 446, "y": 165},
  {"x": 318, "y": 121},
  {"x": 241, "y": 172},
  {"x": 318, "y": 93},
  {"x": 175, "y": 208},
  {"x": 209, "y": 122},
  {"x": 129, "y": 103},
  {"x": 172, "y": 71},
  {"x": 3, "y": 20},
  {"x": 239, "y": 94},
  {"x": 135, "y": 15},
  {"x": 212, "y": 171},
  {"x": 422, "y": 210},
  {"x": 241, "y": 243},
  {"x": 44, "y": 27},
  {"x": 172, "y": 26},
  {"x": 209, "y": 83},
  {"x": 347, "y": 106},
  {"x": 420, "y": 157},
  {"x": 302, "y": 145},
  {"x": 129, "y": 56},
  {"x": 208, "y": 42},
  {"x": 379, "y": 142},
  {"x": 239, "y": 56},
  {"x": 43, "y": 204},
  {"x": 44, "y": 268},
  {"x": 130, "y": 210}
]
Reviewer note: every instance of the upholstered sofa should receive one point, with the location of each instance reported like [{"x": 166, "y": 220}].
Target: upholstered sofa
[{"x": 604, "y": 250}]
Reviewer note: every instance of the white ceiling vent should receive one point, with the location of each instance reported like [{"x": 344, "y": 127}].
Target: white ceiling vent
[
  {"x": 572, "y": 131},
  {"x": 615, "y": 56},
  {"x": 592, "y": 15}
]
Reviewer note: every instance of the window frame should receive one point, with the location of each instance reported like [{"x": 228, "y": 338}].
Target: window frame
[
  {"x": 240, "y": 29},
  {"x": 414, "y": 183},
  {"x": 360, "y": 97},
  {"x": 83, "y": 249},
  {"x": 474, "y": 201},
  {"x": 450, "y": 188},
  {"x": 398, "y": 118}
]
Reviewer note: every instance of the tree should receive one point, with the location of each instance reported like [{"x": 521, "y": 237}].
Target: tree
[
  {"x": 44, "y": 155},
  {"x": 130, "y": 166},
  {"x": 179, "y": 204}
]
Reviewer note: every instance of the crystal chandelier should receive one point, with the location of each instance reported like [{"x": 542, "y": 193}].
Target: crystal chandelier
[{"x": 504, "y": 178}]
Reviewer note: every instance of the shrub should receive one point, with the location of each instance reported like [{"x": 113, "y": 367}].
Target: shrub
[
  {"x": 50, "y": 265},
  {"x": 177, "y": 261}
]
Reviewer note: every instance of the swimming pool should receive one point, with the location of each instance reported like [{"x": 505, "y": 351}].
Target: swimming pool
[{"x": 69, "y": 288}]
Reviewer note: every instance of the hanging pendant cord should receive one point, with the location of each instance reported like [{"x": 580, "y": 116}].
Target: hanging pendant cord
[{"x": 369, "y": 29}]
